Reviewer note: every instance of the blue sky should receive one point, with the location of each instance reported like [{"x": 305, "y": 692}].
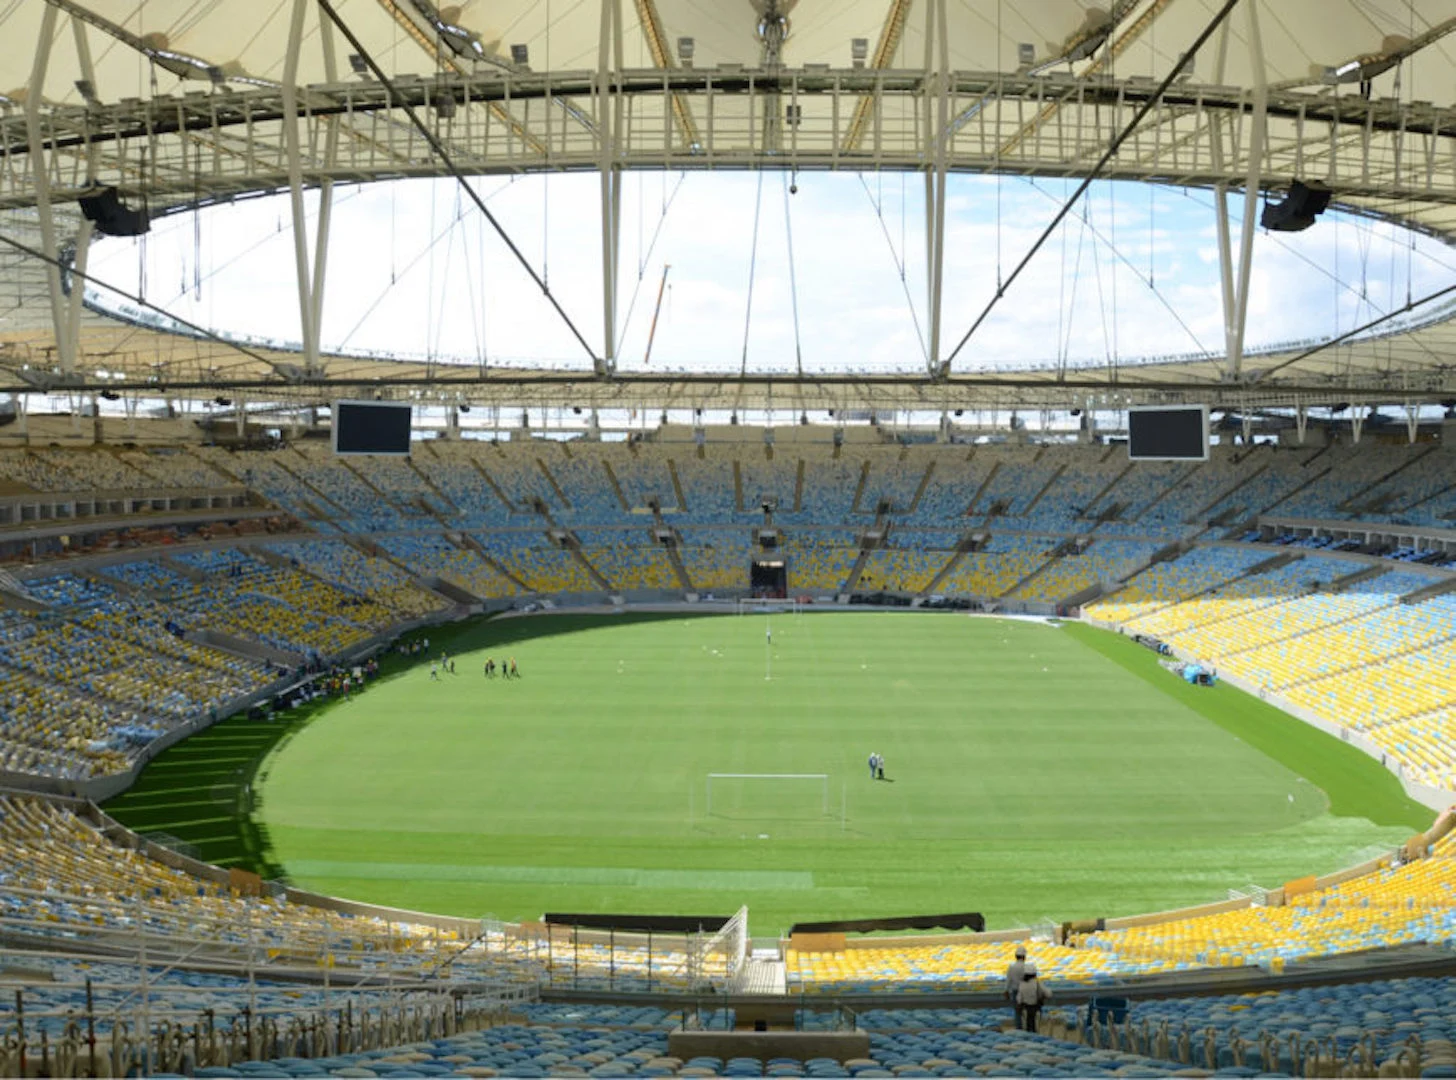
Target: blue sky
[{"x": 414, "y": 269}]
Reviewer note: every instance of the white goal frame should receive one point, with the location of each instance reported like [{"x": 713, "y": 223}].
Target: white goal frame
[
  {"x": 763, "y": 605},
  {"x": 823, "y": 779}
]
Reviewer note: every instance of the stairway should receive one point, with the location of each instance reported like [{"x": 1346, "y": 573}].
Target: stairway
[{"x": 761, "y": 973}]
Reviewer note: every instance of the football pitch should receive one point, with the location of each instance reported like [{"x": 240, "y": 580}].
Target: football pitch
[{"x": 1031, "y": 771}]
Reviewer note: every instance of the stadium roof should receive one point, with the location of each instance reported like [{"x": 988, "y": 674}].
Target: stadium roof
[{"x": 180, "y": 102}]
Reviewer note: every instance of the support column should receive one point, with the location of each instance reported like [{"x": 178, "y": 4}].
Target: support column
[
  {"x": 60, "y": 321},
  {"x": 326, "y": 189},
  {"x": 609, "y": 52},
  {"x": 1234, "y": 331},
  {"x": 87, "y": 230},
  {"x": 293, "y": 152},
  {"x": 937, "y": 118}
]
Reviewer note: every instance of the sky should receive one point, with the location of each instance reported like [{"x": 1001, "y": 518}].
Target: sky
[{"x": 828, "y": 279}]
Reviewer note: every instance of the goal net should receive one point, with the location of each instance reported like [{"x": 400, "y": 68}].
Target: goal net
[
  {"x": 762, "y": 796},
  {"x": 761, "y": 605}
]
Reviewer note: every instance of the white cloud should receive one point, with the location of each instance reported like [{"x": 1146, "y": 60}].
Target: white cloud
[{"x": 413, "y": 268}]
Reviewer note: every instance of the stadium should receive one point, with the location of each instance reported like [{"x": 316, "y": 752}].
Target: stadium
[{"x": 891, "y": 538}]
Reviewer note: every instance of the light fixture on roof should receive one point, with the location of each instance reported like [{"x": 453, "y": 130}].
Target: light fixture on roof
[
  {"x": 521, "y": 56},
  {"x": 358, "y": 66},
  {"x": 87, "y": 90},
  {"x": 686, "y": 47},
  {"x": 1096, "y": 28},
  {"x": 1025, "y": 54},
  {"x": 859, "y": 51},
  {"x": 1186, "y": 71},
  {"x": 1364, "y": 68},
  {"x": 1299, "y": 208}
]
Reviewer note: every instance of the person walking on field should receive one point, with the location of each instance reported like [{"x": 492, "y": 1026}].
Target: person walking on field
[
  {"x": 1030, "y": 996},
  {"x": 874, "y": 760}
]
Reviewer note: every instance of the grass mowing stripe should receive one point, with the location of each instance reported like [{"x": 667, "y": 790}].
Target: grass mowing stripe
[
  {"x": 1039, "y": 771},
  {"x": 557, "y": 875},
  {"x": 1033, "y": 775},
  {"x": 1356, "y": 784}
]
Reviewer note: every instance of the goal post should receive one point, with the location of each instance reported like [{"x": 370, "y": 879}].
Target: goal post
[
  {"x": 760, "y": 605},
  {"x": 807, "y": 780}
]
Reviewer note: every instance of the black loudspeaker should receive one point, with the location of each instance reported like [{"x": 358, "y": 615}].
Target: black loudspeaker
[
  {"x": 1300, "y": 207},
  {"x": 111, "y": 215}
]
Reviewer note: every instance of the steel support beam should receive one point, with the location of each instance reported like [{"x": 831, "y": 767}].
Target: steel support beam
[
  {"x": 76, "y": 301},
  {"x": 609, "y": 122},
  {"x": 39, "y": 162},
  {"x": 937, "y": 67},
  {"x": 293, "y": 153},
  {"x": 1234, "y": 331},
  {"x": 326, "y": 188}
]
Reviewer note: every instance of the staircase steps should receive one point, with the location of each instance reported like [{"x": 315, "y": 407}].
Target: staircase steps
[
  {"x": 490, "y": 483},
  {"x": 864, "y": 478},
  {"x": 1200, "y": 517},
  {"x": 555, "y": 487},
  {"x": 856, "y": 570},
  {"x": 674, "y": 556},
  {"x": 1029, "y": 578},
  {"x": 1428, "y": 592},
  {"x": 985, "y": 484},
  {"x": 470, "y": 543},
  {"x": 324, "y": 503},
  {"x": 920, "y": 490},
  {"x": 1044, "y": 489},
  {"x": 616, "y": 486},
  {"x": 1353, "y": 502},
  {"x": 596, "y": 575},
  {"x": 956, "y": 558},
  {"x": 1177, "y": 482},
  {"x": 682, "y": 502},
  {"x": 1088, "y": 511}
]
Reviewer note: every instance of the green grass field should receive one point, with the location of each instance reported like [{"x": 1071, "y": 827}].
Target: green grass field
[{"x": 1037, "y": 771}]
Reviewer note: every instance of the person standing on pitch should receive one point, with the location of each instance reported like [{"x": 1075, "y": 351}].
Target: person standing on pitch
[
  {"x": 879, "y": 765},
  {"x": 874, "y": 760},
  {"x": 1014, "y": 971}
]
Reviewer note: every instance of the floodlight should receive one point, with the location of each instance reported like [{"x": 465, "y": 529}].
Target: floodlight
[
  {"x": 686, "y": 46},
  {"x": 859, "y": 51},
  {"x": 520, "y": 55}
]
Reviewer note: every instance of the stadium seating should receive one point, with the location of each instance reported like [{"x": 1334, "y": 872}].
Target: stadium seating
[
  {"x": 997, "y": 567},
  {"x": 1103, "y": 562},
  {"x": 369, "y": 576},
  {"x": 433, "y": 555},
  {"x": 716, "y": 559}
]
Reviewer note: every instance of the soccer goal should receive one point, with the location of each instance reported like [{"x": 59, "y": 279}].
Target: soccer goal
[
  {"x": 762, "y": 605},
  {"x": 803, "y": 794}
]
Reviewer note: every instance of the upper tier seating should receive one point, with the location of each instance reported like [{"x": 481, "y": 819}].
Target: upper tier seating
[
  {"x": 432, "y": 555},
  {"x": 367, "y": 576}
]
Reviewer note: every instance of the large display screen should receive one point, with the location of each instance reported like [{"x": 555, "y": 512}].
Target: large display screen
[
  {"x": 371, "y": 427},
  {"x": 1174, "y": 433}
]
